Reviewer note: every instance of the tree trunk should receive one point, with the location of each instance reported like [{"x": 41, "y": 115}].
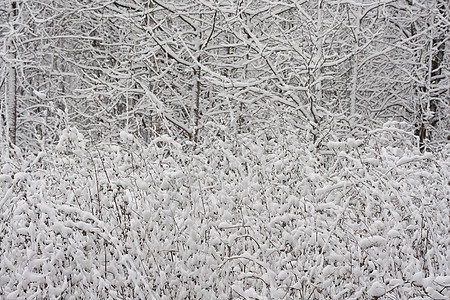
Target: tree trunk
[
  {"x": 430, "y": 114},
  {"x": 11, "y": 99}
]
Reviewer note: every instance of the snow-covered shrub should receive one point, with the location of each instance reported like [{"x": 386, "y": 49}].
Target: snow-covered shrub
[{"x": 261, "y": 217}]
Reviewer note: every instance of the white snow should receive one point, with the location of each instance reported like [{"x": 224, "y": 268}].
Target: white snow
[
  {"x": 372, "y": 241},
  {"x": 40, "y": 95},
  {"x": 126, "y": 137},
  {"x": 247, "y": 220},
  {"x": 141, "y": 184},
  {"x": 377, "y": 289}
]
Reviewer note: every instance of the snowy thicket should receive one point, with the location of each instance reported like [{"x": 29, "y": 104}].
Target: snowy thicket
[
  {"x": 257, "y": 217},
  {"x": 174, "y": 66},
  {"x": 205, "y": 149}
]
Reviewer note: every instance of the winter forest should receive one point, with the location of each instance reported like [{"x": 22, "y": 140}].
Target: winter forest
[{"x": 224, "y": 149}]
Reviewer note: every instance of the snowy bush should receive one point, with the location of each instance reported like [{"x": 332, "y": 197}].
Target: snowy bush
[{"x": 260, "y": 218}]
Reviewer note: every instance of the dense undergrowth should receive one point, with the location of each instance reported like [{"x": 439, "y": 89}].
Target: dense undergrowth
[{"x": 249, "y": 218}]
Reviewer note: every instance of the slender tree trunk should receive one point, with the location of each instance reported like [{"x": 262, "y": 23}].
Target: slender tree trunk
[
  {"x": 355, "y": 66},
  {"x": 197, "y": 91},
  {"x": 435, "y": 70},
  {"x": 430, "y": 114},
  {"x": 197, "y": 84},
  {"x": 319, "y": 54},
  {"x": 11, "y": 97},
  {"x": 11, "y": 105},
  {"x": 354, "y": 85}
]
